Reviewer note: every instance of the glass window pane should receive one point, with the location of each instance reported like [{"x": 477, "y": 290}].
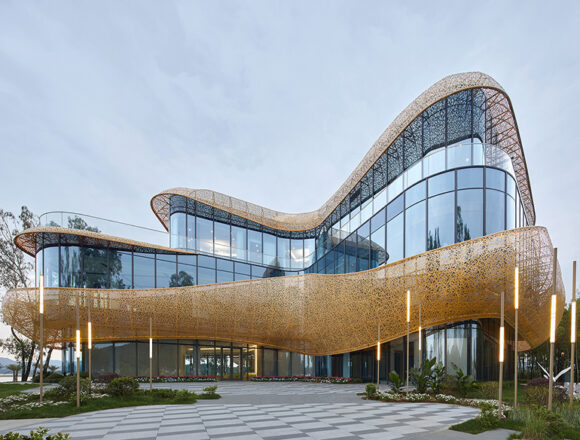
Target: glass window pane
[
  {"x": 241, "y": 277},
  {"x": 226, "y": 265},
  {"x": 415, "y": 194},
  {"x": 459, "y": 156},
  {"x": 380, "y": 200},
  {"x": 190, "y": 232},
  {"x": 102, "y": 358},
  {"x": 166, "y": 271},
  {"x": 365, "y": 230},
  {"x": 441, "y": 183},
  {"x": 434, "y": 162},
  {"x": 242, "y": 268},
  {"x": 269, "y": 257},
  {"x": 395, "y": 188},
  {"x": 239, "y": 243},
  {"x": 144, "y": 267},
  {"x": 121, "y": 269},
  {"x": 167, "y": 359},
  {"x": 494, "y": 211},
  {"x": 186, "y": 270},
  {"x": 510, "y": 213},
  {"x": 469, "y": 214},
  {"x": 224, "y": 277},
  {"x": 395, "y": 239},
  {"x": 441, "y": 221},
  {"x": 378, "y": 247},
  {"x": 297, "y": 254},
  {"x": 415, "y": 224},
  {"x": 70, "y": 266},
  {"x": 350, "y": 253},
  {"x": 363, "y": 254},
  {"x": 204, "y": 235},
  {"x": 309, "y": 244},
  {"x": 395, "y": 207},
  {"x": 284, "y": 252},
  {"x": 255, "y": 246},
  {"x": 470, "y": 178},
  {"x": 205, "y": 275},
  {"x": 205, "y": 261},
  {"x": 494, "y": 179},
  {"x": 95, "y": 268},
  {"x": 125, "y": 358},
  {"x": 339, "y": 262},
  {"x": 378, "y": 220},
  {"x": 178, "y": 230},
  {"x": 413, "y": 174},
  {"x": 478, "y": 154},
  {"x": 511, "y": 186},
  {"x": 221, "y": 239}
]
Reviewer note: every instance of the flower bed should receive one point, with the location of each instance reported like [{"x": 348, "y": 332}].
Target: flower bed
[
  {"x": 28, "y": 401},
  {"x": 339, "y": 380},
  {"x": 438, "y": 398},
  {"x": 169, "y": 379}
]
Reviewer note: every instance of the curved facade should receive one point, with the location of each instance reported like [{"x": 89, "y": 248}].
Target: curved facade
[{"x": 440, "y": 206}]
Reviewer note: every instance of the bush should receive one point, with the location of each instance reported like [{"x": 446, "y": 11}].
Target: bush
[
  {"x": 84, "y": 374},
  {"x": 210, "y": 390},
  {"x": 538, "y": 395},
  {"x": 371, "y": 390},
  {"x": 396, "y": 381},
  {"x": 68, "y": 387},
  {"x": 107, "y": 377},
  {"x": 53, "y": 378},
  {"x": 538, "y": 381},
  {"x": 122, "y": 387},
  {"x": 437, "y": 377},
  {"x": 488, "y": 390},
  {"x": 463, "y": 382},
  {"x": 423, "y": 377},
  {"x": 184, "y": 396},
  {"x": 38, "y": 434},
  {"x": 488, "y": 416}
]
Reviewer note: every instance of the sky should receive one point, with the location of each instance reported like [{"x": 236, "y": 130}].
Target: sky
[{"x": 105, "y": 104}]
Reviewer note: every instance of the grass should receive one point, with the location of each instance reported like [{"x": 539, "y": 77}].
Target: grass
[
  {"x": 475, "y": 426},
  {"x": 7, "y": 389},
  {"x": 507, "y": 393}
]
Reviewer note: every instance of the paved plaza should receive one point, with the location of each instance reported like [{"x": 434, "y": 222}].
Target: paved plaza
[{"x": 276, "y": 411}]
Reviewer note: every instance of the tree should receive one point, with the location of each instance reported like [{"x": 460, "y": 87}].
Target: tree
[
  {"x": 14, "y": 368},
  {"x": 15, "y": 272}
]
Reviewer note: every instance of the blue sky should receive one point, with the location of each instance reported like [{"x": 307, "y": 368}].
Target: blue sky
[{"x": 104, "y": 104}]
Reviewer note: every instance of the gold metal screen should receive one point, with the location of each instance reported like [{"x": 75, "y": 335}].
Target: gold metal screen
[{"x": 319, "y": 314}]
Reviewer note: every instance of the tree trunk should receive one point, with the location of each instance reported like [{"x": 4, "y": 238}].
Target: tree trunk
[{"x": 47, "y": 361}]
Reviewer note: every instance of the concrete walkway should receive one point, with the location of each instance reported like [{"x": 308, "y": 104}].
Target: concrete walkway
[{"x": 253, "y": 410}]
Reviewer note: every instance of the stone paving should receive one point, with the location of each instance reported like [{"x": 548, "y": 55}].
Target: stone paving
[{"x": 277, "y": 411}]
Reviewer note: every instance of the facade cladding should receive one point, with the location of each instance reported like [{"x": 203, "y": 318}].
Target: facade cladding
[{"x": 443, "y": 180}]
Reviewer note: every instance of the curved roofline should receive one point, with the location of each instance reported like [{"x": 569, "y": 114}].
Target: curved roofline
[
  {"x": 29, "y": 240},
  {"x": 508, "y": 139}
]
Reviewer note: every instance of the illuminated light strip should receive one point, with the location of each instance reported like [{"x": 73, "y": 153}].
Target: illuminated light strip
[
  {"x": 553, "y": 320},
  {"x": 90, "y": 332},
  {"x": 517, "y": 289},
  {"x": 150, "y": 348},
  {"x": 378, "y": 351},
  {"x": 41, "y": 299},
  {"x": 501, "y": 343},
  {"x": 419, "y": 338},
  {"x": 408, "y": 306},
  {"x": 78, "y": 347},
  {"x": 573, "y": 323}
]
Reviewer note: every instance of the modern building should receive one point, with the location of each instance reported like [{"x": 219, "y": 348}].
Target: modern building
[{"x": 440, "y": 209}]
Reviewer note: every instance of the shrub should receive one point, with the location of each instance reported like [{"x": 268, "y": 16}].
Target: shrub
[
  {"x": 122, "y": 387},
  {"x": 68, "y": 387},
  {"x": 488, "y": 390},
  {"x": 210, "y": 390},
  {"x": 488, "y": 416},
  {"x": 538, "y": 395},
  {"x": 371, "y": 390},
  {"x": 107, "y": 377},
  {"x": 396, "y": 381},
  {"x": 184, "y": 396},
  {"x": 437, "y": 377},
  {"x": 38, "y": 434},
  {"x": 422, "y": 378},
  {"x": 53, "y": 378},
  {"x": 538, "y": 381},
  {"x": 464, "y": 382},
  {"x": 84, "y": 374}
]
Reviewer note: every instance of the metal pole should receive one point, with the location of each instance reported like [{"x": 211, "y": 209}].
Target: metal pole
[
  {"x": 90, "y": 339},
  {"x": 552, "y": 330},
  {"x": 572, "y": 335},
  {"x": 378, "y": 356},
  {"x": 516, "y": 307},
  {"x": 420, "y": 341},
  {"x": 41, "y": 310},
  {"x": 501, "y": 353},
  {"x": 150, "y": 353},
  {"x": 408, "y": 320},
  {"x": 78, "y": 351}
]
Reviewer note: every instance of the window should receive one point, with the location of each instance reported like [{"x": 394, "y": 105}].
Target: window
[
  {"x": 469, "y": 214},
  {"x": 378, "y": 220},
  {"x": 269, "y": 257},
  {"x": 255, "y": 246},
  {"x": 95, "y": 268},
  {"x": 459, "y": 156},
  {"x": 470, "y": 178},
  {"x": 70, "y": 266},
  {"x": 494, "y": 179},
  {"x": 378, "y": 247},
  {"x": 190, "y": 232},
  {"x": 395, "y": 239},
  {"x": 494, "y": 211},
  {"x": 434, "y": 162},
  {"x": 441, "y": 221},
  {"x": 205, "y": 275},
  {"x": 186, "y": 270},
  {"x": 284, "y": 252},
  {"x": 222, "y": 239},
  {"x": 178, "y": 230},
  {"x": 204, "y": 235},
  {"x": 510, "y": 213},
  {"x": 297, "y": 253},
  {"x": 442, "y": 183},
  {"x": 415, "y": 229},
  {"x": 144, "y": 270},
  {"x": 239, "y": 243},
  {"x": 308, "y": 251},
  {"x": 395, "y": 207},
  {"x": 121, "y": 269},
  {"x": 415, "y": 194},
  {"x": 166, "y": 271}
]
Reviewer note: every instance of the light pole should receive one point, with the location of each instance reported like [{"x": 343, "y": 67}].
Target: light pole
[
  {"x": 41, "y": 311},
  {"x": 516, "y": 307},
  {"x": 378, "y": 355},
  {"x": 501, "y": 353},
  {"x": 408, "y": 323},
  {"x": 150, "y": 354},
  {"x": 572, "y": 335},
  {"x": 420, "y": 342},
  {"x": 78, "y": 356},
  {"x": 552, "y": 330},
  {"x": 90, "y": 338}
]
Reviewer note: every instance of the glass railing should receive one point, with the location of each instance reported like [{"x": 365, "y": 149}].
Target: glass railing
[
  {"x": 439, "y": 160},
  {"x": 75, "y": 220}
]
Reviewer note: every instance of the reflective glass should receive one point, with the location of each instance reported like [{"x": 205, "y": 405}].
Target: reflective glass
[
  {"x": 144, "y": 270},
  {"x": 378, "y": 247},
  {"x": 441, "y": 221},
  {"x": 364, "y": 230},
  {"x": 308, "y": 251},
  {"x": 95, "y": 268},
  {"x": 167, "y": 359},
  {"x": 283, "y": 252},
  {"x": 205, "y": 275},
  {"x": 395, "y": 188},
  {"x": 190, "y": 232},
  {"x": 242, "y": 268},
  {"x": 457, "y": 348},
  {"x": 102, "y": 358},
  {"x": 269, "y": 257},
  {"x": 478, "y": 154},
  {"x": 511, "y": 186},
  {"x": 442, "y": 183},
  {"x": 415, "y": 224},
  {"x": 366, "y": 211},
  {"x": 125, "y": 358},
  {"x": 510, "y": 213},
  {"x": 178, "y": 230},
  {"x": 166, "y": 271},
  {"x": 380, "y": 200},
  {"x": 224, "y": 277},
  {"x": 395, "y": 207},
  {"x": 469, "y": 214},
  {"x": 221, "y": 239},
  {"x": 494, "y": 179},
  {"x": 395, "y": 239},
  {"x": 255, "y": 246},
  {"x": 297, "y": 254},
  {"x": 363, "y": 254},
  {"x": 415, "y": 194},
  {"x": 414, "y": 174},
  {"x": 494, "y": 211},
  {"x": 205, "y": 261},
  {"x": 378, "y": 220},
  {"x": 459, "y": 156},
  {"x": 226, "y": 265},
  {"x": 434, "y": 162},
  {"x": 186, "y": 270},
  {"x": 70, "y": 266},
  {"x": 239, "y": 243},
  {"x": 350, "y": 254},
  {"x": 204, "y": 230},
  {"x": 240, "y": 277},
  {"x": 470, "y": 178},
  {"x": 339, "y": 263}
]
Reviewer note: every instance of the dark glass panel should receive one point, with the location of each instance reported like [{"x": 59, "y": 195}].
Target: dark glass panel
[
  {"x": 351, "y": 253},
  {"x": 415, "y": 194},
  {"x": 363, "y": 254},
  {"x": 166, "y": 271},
  {"x": 494, "y": 179},
  {"x": 144, "y": 270},
  {"x": 70, "y": 266},
  {"x": 441, "y": 221},
  {"x": 121, "y": 269},
  {"x": 395, "y": 234},
  {"x": 95, "y": 268},
  {"x": 205, "y": 275},
  {"x": 469, "y": 214},
  {"x": 186, "y": 270},
  {"x": 494, "y": 211},
  {"x": 102, "y": 358},
  {"x": 125, "y": 358},
  {"x": 339, "y": 263},
  {"x": 470, "y": 178},
  {"x": 167, "y": 359},
  {"x": 415, "y": 224},
  {"x": 442, "y": 183}
]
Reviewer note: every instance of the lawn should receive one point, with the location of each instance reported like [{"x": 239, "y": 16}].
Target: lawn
[{"x": 7, "y": 389}]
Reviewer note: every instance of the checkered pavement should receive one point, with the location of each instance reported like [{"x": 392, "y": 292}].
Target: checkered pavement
[{"x": 211, "y": 420}]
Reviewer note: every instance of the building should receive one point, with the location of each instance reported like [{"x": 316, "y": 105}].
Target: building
[{"x": 439, "y": 209}]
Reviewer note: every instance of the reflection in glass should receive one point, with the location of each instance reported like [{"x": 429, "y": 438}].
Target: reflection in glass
[
  {"x": 122, "y": 273},
  {"x": 284, "y": 252},
  {"x": 469, "y": 214},
  {"x": 204, "y": 229},
  {"x": 510, "y": 213},
  {"x": 378, "y": 247},
  {"x": 186, "y": 270},
  {"x": 166, "y": 271},
  {"x": 415, "y": 194},
  {"x": 221, "y": 239},
  {"x": 395, "y": 239},
  {"x": 494, "y": 179},
  {"x": 441, "y": 183},
  {"x": 494, "y": 211},
  {"x": 70, "y": 266},
  {"x": 459, "y": 156},
  {"x": 297, "y": 254},
  {"x": 144, "y": 268},
  {"x": 95, "y": 268},
  {"x": 414, "y": 229},
  {"x": 470, "y": 178},
  {"x": 309, "y": 244},
  {"x": 238, "y": 243},
  {"x": 255, "y": 246},
  {"x": 435, "y": 162},
  {"x": 205, "y": 275},
  {"x": 190, "y": 232},
  {"x": 441, "y": 221}
]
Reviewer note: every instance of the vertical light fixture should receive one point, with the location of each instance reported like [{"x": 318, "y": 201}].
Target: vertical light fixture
[
  {"x": 408, "y": 323},
  {"x": 572, "y": 335},
  {"x": 41, "y": 311},
  {"x": 501, "y": 353},
  {"x": 78, "y": 356},
  {"x": 150, "y": 353},
  {"x": 420, "y": 342},
  {"x": 378, "y": 355},
  {"x": 516, "y": 307},
  {"x": 90, "y": 337},
  {"x": 552, "y": 330}
]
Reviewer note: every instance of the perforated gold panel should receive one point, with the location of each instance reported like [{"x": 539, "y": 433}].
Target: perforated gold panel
[
  {"x": 319, "y": 314},
  {"x": 504, "y": 131}
]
